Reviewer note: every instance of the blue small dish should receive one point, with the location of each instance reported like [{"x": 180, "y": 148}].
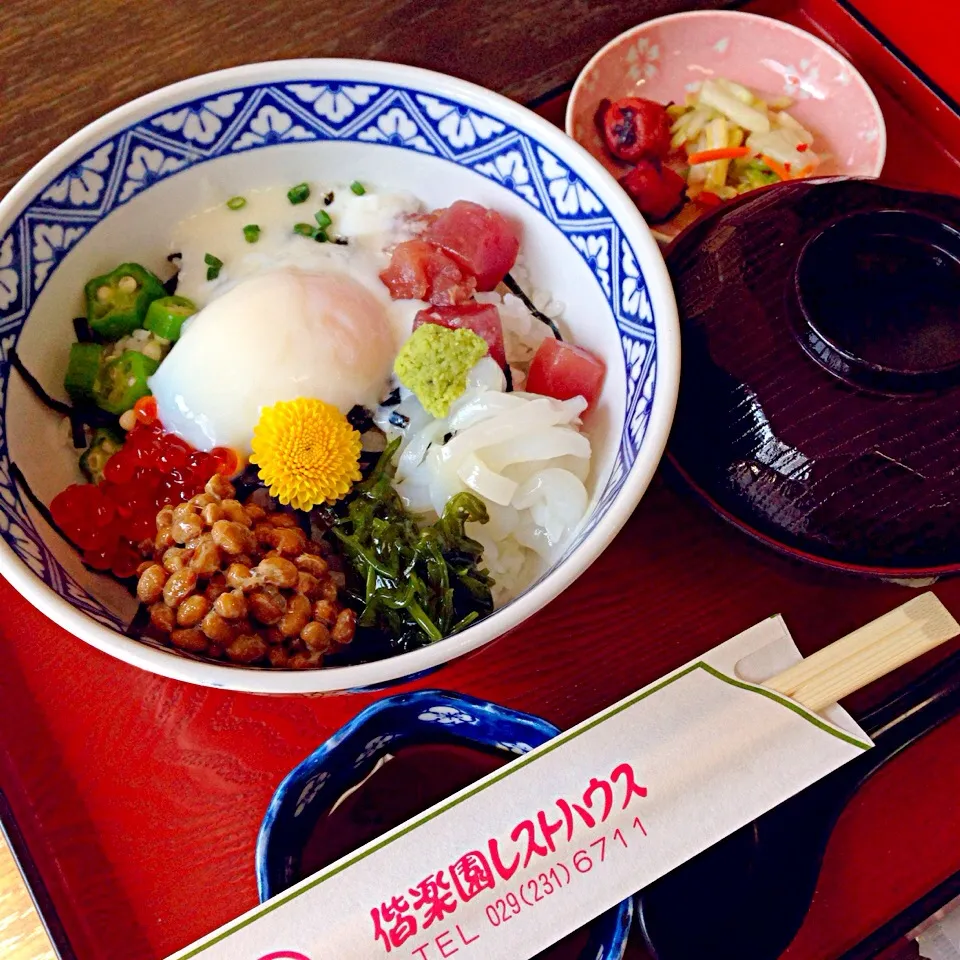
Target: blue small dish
[{"x": 408, "y": 719}]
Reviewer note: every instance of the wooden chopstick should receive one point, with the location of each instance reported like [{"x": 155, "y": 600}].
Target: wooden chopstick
[{"x": 867, "y": 654}]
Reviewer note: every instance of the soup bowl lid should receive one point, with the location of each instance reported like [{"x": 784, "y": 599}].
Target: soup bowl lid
[{"x": 820, "y": 399}]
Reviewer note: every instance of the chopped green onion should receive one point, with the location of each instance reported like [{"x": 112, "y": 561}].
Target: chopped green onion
[
  {"x": 323, "y": 218},
  {"x": 251, "y": 232},
  {"x": 299, "y": 193},
  {"x": 236, "y": 203},
  {"x": 320, "y": 236},
  {"x": 304, "y": 229},
  {"x": 213, "y": 265},
  {"x": 358, "y": 188}
]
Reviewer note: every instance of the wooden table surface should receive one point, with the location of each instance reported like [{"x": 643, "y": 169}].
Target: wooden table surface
[
  {"x": 62, "y": 66},
  {"x": 22, "y": 936}
]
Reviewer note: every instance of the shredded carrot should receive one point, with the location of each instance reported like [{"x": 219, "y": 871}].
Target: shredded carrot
[
  {"x": 722, "y": 153},
  {"x": 781, "y": 171},
  {"x": 804, "y": 172}
]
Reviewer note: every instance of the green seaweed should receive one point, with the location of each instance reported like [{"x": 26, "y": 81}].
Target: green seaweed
[{"x": 415, "y": 585}]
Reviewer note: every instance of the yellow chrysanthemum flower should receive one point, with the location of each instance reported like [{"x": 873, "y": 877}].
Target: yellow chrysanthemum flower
[{"x": 307, "y": 452}]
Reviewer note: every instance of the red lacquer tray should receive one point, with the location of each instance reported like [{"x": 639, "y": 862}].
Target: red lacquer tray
[{"x": 135, "y": 801}]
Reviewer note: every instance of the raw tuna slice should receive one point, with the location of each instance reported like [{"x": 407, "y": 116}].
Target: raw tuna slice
[
  {"x": 564, "y": 370},
  {"x": 420, "y": 271},
  {"x": 482, "y": 241}
]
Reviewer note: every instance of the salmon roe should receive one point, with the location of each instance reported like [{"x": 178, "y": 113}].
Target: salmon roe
[
  {"x": 145, "y": 409},
  {"x": 114, "y": 523}
]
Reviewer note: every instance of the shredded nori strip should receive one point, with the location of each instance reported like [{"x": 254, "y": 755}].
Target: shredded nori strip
[
  {"x": 328, "y": 199},
  {"x": 64, "y": 409},
  {"x": 360, "y": 419},
  {"x": 393, "y": 399},
  {"x": 341, "y": 241},
  {"x": 399, "y": 420},
  {"x": 514, "y": 288},
  {"x": 93, "y": 416},
  {"x": 368, "y": 644},
  {"x": 138, "y": 625},
  {"x": 368, "y": 460},
  {"x": 247, "y": 482},
  {"x": 82, "y": 330},
  {"x": 174, "y": 256},
  {"x": 303, "y": 521},
  {"x": 77, "y": 433},
  {"x": 83, "y": 413},
  {"x": 508, "y": 376},
  {"x": 171, "y": 285}
]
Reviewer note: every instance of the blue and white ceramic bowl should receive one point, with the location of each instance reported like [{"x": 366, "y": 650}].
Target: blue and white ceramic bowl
[
  {"x": 427, "y": 716},
  {"x": 114, "y": 191}
]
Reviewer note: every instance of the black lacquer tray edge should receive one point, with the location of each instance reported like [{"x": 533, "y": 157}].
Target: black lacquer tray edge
[{"x": 33, "y": 881}]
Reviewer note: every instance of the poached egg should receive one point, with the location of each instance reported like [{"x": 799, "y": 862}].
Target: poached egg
[{"x": 286, "y": 317}]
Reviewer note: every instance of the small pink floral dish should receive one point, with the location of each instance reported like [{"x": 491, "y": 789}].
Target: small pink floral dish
[{"x": 665, "y": 59}]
